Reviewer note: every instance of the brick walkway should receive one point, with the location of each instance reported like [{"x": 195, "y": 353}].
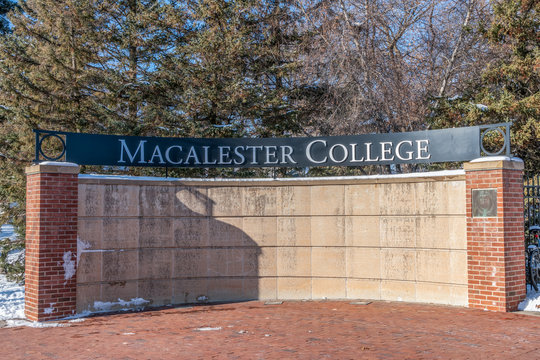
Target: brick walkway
[{"x": 292, "y": 330}]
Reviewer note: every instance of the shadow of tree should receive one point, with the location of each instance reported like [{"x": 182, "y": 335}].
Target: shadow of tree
[{"x": 215, "y": 259}]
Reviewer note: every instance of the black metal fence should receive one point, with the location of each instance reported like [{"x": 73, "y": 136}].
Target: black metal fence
[{"x": 531, "y": 192}]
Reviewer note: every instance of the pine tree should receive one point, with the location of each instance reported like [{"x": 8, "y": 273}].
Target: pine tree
[
  {"x": 83, "y": 66},
  {"x": 207, "y": 68},
  {"x": 510, "y": 87},
  {"x": 234, "y": 81},
  {"x": 5, "y": 7}
]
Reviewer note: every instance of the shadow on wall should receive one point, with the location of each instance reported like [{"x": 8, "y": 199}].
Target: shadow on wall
[
  {"x": 163, "y": 244},
  {"x": 214, "y": 260}
]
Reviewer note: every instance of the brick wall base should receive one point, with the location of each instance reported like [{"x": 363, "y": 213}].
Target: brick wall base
[
  {"x": 51, "y": 241},
  {"x": 495, "y": 243}
]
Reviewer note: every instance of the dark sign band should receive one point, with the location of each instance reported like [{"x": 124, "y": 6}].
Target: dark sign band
[{"x": 458, "y": 144}]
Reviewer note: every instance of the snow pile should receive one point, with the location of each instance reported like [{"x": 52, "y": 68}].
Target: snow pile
[
  {"x": 531, "y": 302},
  {"x": 122, "y": 305},
  {"x": 11, "y": 300},
  {"x": 34, "y": 324}
]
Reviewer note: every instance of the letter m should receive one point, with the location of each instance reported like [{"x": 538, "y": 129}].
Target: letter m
[{"x": 125, "y": 149}]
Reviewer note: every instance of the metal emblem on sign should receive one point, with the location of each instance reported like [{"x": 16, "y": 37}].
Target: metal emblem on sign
[{"x": 484, "y": 203}]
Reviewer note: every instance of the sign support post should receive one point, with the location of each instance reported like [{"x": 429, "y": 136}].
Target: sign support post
[
  {"x": 495, "y": 238},
  {"x": 51, "y": 241}
]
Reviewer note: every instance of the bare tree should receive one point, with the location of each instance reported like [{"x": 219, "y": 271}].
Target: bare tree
[{"x": 376, "y": 63}]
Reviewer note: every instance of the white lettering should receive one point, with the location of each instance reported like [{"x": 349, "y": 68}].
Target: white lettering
[
  {"x": 308, "y": 151},
  {"x": 271, "y": 152},
  {"x": 157, "y": 153},
  {"x": 368, "y": 153},
  {"x": 192, "y": 154},
  {"x": 422, "y": 146},
  {"x": 409, "y": 153},
  {"x": 131, "y": 157},
  {"x": 345, "y": 153},
  {"x": 168, "y": 154},
  {"x": 240, "y": 155},
  {"x": 224, "y": 153},
  {"x": 286, "y": 152},
  {"x": 353, "y": 153},
  {"x": 254, "y": 152},
  {"x": 386, "y": 150},
  {"x": 206, "y": 160}
]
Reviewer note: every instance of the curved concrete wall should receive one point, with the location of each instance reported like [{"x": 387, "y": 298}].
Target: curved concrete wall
[{"x": 184, "y": 241}]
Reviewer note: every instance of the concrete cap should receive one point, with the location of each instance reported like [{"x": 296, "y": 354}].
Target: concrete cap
[
  {"x": 53, "y": 167},
  {"x": 337, "y": 180},
  {"x": 494, "y": 163}
]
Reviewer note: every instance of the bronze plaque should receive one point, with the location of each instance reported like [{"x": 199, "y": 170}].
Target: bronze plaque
[{"x": 484, "y": 203}]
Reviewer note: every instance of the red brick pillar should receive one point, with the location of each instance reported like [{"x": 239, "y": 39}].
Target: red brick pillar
[
  {"x": 495, "y": 238},
  {"x": 51, "y": 240}
]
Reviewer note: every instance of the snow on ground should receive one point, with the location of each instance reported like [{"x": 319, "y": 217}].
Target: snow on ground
[
  {"x": 11, "y": 300},
  {"x": 7, "y": 231},
  {"x": 531, "y": 302},
  {"x": 207, "y": 328},
  {"x": 17, "y": 255},
  {"x": 11, "y": 294},
  {"x": 101, "y": 306},
  {"x": 34, "y": 324}
]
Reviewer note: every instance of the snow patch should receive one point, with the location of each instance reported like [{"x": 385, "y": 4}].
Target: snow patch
[
  {"x": 50, "y": 309},
  {"x": 77, "y": 320},
  {"x": 481, "y": 107},
  {"x": 531, "y": 302},
  {"x": 34, "y": 324},
  {"x": 69, "y": 265},
  {"x": 7, "y": 231},
  {"x": 125, "y": 305},
  {"x": 81, "y": 247},
  {"x": 208, "y": 329},
  {"x": 15, "y": 256}
]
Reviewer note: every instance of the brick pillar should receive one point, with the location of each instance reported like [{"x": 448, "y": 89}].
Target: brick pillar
[
  {"x": 495, "y": 242},
  {"x": 51, "y": 240}
]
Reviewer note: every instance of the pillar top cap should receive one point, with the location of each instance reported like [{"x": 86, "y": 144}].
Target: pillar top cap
[
  {"x": 496, "y": 158},
  {"x": 494, "y": 162},
  {"x": 53, "y": 167}
]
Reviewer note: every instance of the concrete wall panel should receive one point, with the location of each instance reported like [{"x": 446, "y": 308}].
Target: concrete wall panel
[{"x": 195, "y": 241}]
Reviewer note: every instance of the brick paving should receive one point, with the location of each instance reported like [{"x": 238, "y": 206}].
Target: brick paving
[{"x": 291, "y": 330}]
